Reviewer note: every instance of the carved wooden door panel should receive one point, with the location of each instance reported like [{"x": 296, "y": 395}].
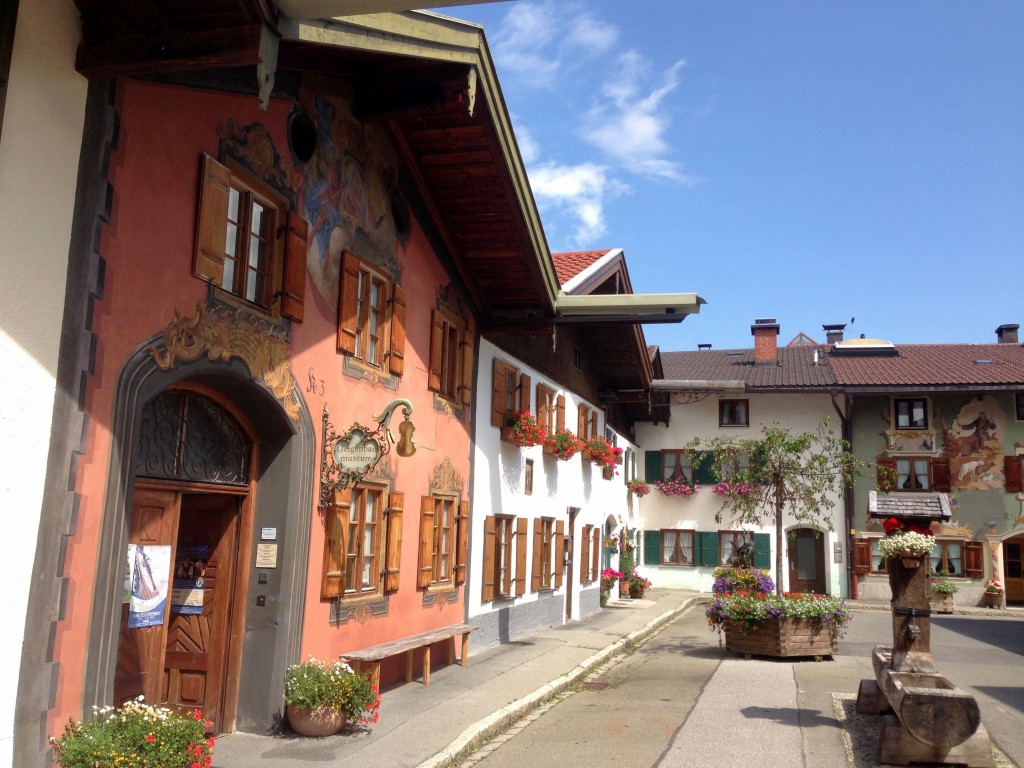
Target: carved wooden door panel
[
  {"x": 197, "y": 637},
  {"x": 1013, "y": 568},
  {"x": 140, "y": 651},
  {"x": 807, "y": 561}
]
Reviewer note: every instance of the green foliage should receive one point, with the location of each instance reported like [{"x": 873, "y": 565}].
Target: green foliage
[
  {"x": 780, "y": 473},
  {"x": 942, "y": 585},
  {"x": 316, "y": 682},
  {"x": 135, "y": 736},
  {"x": 749, "y": 609}
]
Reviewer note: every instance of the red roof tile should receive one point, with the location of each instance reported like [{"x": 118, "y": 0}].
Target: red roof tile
[
  {"x": 568, "y": 265},
  {"x": 933, "y": 365}
]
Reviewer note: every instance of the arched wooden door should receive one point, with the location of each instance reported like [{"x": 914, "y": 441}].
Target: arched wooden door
[
  {"x": 193, "y": 524},
  {"x": 807, "y": 561}
]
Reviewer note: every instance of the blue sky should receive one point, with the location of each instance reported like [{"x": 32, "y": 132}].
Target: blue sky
[{"x": 808, "y": 161}]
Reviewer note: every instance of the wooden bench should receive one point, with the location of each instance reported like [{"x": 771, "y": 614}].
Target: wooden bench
[{"x": 370, "y": 658}]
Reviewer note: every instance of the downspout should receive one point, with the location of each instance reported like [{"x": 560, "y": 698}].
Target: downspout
[{"x": 848, "y": 509}]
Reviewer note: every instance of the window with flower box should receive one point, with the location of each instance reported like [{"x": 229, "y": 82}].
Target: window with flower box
[
  {"x": 550, "y": 409},
  {"x": 248, "y": 244},
  {"x": 362, "y": 542},
  {"x": 371, "y": 316},
  {"x": 669, "y": 464},
  {"x": 444, "y": 526},
  {"x": 510, "y": 394}
]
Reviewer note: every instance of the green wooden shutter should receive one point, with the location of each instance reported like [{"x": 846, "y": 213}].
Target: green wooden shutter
[
  {"x": 652, "y": 466},
  {"x": 762, "y": 550},
  {"x": 707, "y": 548},
  {"x": 652, "y": 547},
  {"x": 702, "y": 471}
]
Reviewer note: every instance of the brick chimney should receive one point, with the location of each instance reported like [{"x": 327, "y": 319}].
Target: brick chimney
[
  {"x": 1007, "y": 333},
  {"x": 766, "y": 342},
  {"x": 834, "y": 333}
]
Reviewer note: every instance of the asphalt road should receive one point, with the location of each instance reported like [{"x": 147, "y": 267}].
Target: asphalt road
[{"x": 642, "y": 709}]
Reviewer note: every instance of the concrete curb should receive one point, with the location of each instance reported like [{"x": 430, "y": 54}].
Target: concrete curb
[{"x": 501, "y": 720}]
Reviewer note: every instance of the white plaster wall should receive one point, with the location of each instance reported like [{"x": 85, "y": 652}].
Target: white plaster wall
[
  {"x": 39, "y": 148},
  {"x": 498, "y": 487},
  {"x": 798, "y": 412}
]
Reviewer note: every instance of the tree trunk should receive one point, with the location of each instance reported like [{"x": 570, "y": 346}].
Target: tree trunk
[{"x": 779, "y": 500}]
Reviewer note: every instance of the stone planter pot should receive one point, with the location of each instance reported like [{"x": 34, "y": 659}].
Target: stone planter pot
[
  {"x": 782, "y": 637},
  {"x": 940, "y": 602},
  {"x": 322, "y": 721},
  {"x": 992, "y": 599},
  {"x": 624, "y": 588}
]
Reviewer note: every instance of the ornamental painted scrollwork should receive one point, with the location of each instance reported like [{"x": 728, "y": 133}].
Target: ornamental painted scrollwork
[
  {"x": 689, "y": 398},
  {"x": 445, "y": 479},
  {"x": 221, "y": 333}
]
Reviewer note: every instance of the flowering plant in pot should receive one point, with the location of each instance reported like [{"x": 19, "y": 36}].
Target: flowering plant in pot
[
  {"x": 609, "y": 578},
  {"x": 942, "y": 585},
  {"x": 678, "y": 486},
  {"x": 638, "y": 584},
  {"x": 639, "y": 487},
  {"x": 727, "y": 487},
  {"x": 603, "y": 453},
  {"x": 136, "y": 734},
  {"x": 522, "y": 429},
  {"x": 753, "y": 580},
  {"x": 905, "y": 539},
  {"x": 330, "y": 693},
  {"x": 994, "y": 587},
  {"x": 748, "y": 610},
  {"x": 563, "y": 445}
]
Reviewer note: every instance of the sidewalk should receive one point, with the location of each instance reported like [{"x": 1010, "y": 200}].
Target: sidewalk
[{"x": 428, "y": 726}]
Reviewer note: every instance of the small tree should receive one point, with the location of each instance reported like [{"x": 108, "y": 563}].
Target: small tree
[{"x": 761, "y": 479}]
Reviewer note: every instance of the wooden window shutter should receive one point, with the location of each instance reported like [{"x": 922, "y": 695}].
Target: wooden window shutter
[
  {"x": 211, "y": 229},
  {"x": 560, "y": 413},
  {"x": 585, "y": 554},
  {"x": 521, "y": 534},
  {"x": 293, "y": 278},
  {"x": 396, "y": 355},
  {"x": 393, "y": 550},
  {"x": 862, "y": 555},
  {"x": 332, "y": 582},
  {"x": 885, "y": 473},
  {"x": 1012, "y": 473},
  {"x": 348, "y": 303},
  {"x": 436, "y": 342},
  {"x": 593, "y": 424},
  {"x": 525, "y": 384},
  {"x": 762, "y": 550},
  {"x": 652, "y": 547},
  {"x": 974, "y": 560},
  {"x": 582, "y": 419},
  {"x": 490, "y": 539},
  {"x": 940, "y": 475},
  {"x": 425, "y": 571},
  {"x": 498, "y": 372},
  {"x": 462, "y": 537},
  {"x": 595, "y": 553},
  {"x": 703, "y": 468},
  {"x": 538, "y": 543},
  {"x": 559, "y": 567},
  {"x": 652, "y": 466},
  {"x": 467, "y": 368},
  {"x": 707, "y": 548}
]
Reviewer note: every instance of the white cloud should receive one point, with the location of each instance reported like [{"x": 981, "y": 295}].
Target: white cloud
[
  {"x": 578, "y": 191},
  {"x": 630, "y": 125},
  {"x": 529, "y": 149},
  {"x": 590, "y": 34}
]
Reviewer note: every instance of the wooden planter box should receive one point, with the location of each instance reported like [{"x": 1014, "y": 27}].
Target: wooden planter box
[
  {"x": 782, "y": 637},
  {"x": 940, "y": 602}
]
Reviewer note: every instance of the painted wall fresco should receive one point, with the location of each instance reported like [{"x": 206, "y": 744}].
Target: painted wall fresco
[{"x": 973, "y": 443}]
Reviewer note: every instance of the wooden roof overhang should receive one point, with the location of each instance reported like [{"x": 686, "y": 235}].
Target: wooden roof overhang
[{"x": 429, "y": 79}]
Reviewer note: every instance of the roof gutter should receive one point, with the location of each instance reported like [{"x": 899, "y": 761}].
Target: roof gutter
[
  {"x": 701, "y": 385},
  {"x": 657, "y": 306}
]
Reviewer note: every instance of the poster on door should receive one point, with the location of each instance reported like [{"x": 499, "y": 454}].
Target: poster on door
[
  {"x": 149, "y": 569},
  {"x": 189, "y": 579}
]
